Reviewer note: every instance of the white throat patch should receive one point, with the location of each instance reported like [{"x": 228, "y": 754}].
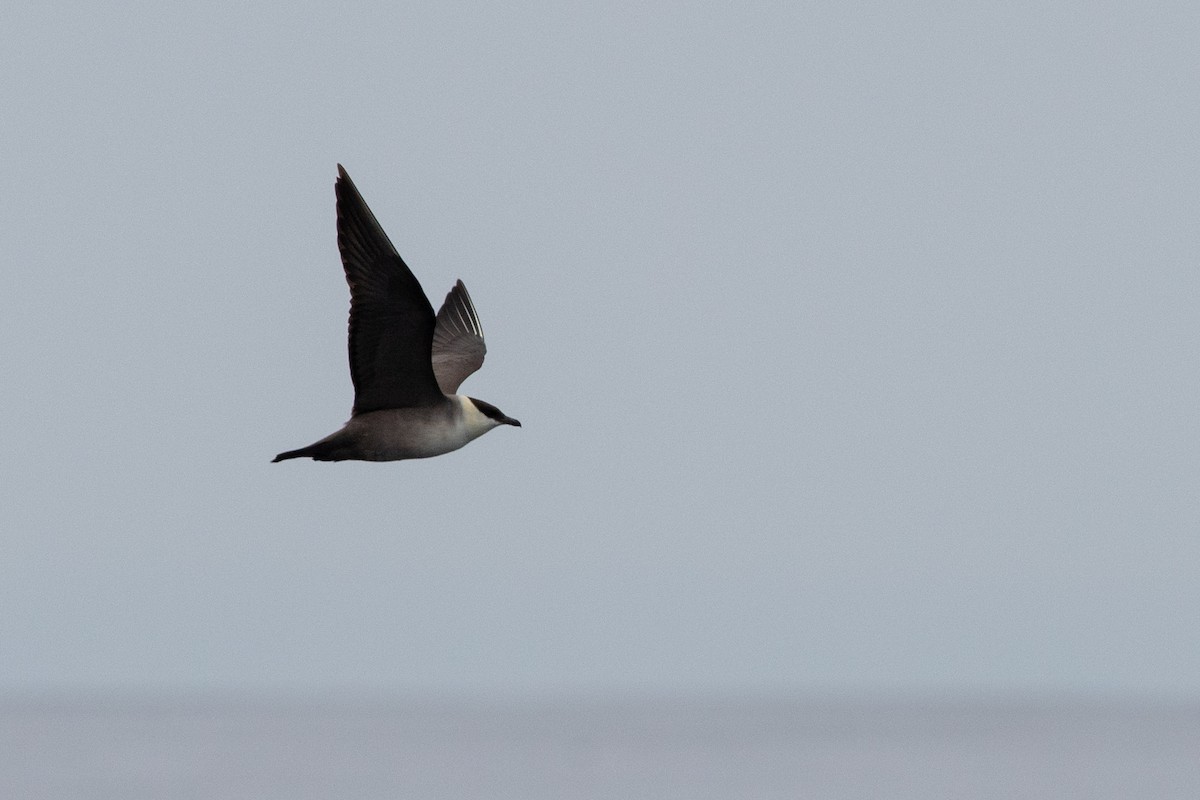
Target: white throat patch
[{"x": 475, "y": 421}]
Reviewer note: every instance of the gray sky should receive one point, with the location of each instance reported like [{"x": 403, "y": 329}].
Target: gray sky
[{"x": 854, "y": 346}]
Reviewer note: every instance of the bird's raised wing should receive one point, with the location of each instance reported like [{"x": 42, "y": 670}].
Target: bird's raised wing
[
  {"x": 458, "y": 346},
  {"x": 391, "y": 320}
]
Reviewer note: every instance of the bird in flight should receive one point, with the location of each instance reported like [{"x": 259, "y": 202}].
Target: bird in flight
[{"x": 406, "y": 363}]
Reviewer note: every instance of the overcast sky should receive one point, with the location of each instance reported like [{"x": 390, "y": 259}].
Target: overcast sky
[{"x": 855, "y": 347}]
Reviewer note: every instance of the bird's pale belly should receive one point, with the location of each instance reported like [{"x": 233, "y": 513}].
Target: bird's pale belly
[{"x": 394, "y": 434}]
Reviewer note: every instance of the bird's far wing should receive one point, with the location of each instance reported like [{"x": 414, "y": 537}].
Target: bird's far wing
[
  {"x": 458, "y": 347},
  {"x": 391, "y": 320}
]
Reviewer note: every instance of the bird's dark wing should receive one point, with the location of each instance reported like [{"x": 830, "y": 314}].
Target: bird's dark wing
[
  {"x": 391, "y": 320},
  {"x": 458, "y": 347}
]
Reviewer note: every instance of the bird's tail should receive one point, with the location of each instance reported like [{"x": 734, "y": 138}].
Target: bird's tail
[{"x": 303, "y": 452}]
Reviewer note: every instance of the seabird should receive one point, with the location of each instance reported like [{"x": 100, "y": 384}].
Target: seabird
[{"x": 405, "y": 363}]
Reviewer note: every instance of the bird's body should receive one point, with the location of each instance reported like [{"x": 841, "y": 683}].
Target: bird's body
[
  {"x": 406, "y": 364},
  {"x": 392, "y": 434}
]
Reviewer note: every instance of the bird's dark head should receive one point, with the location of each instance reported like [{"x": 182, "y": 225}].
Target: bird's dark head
[{"x": 493, "y": 413}]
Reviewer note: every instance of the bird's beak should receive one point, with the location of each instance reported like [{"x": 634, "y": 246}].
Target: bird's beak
[{"x": 511, "y": 421}]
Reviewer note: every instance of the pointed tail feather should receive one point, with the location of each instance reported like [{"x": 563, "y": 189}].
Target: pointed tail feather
[{"x": 303, "y": 452}]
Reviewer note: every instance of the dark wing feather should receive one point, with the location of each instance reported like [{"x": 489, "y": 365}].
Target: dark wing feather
[
  {"x": 391, "y": 320},
  {"x": 458, "y": 347}
]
